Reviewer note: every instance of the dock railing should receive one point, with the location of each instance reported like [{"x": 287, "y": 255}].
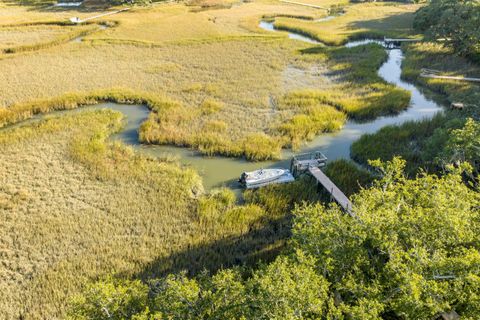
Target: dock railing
[{"x": 302, "y": 162}]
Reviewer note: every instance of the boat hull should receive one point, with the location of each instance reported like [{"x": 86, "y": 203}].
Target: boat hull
[{"x": 262, "y": 177}]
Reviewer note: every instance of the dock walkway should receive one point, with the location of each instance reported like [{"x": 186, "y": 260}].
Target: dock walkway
[
  {"x": 78, "y": 20},
  {"x": 332, "y": 189},
  {"x": 311, "y": 163},
  {"x": 435, "y": 74},
  {"x": 392, "y": 43}
]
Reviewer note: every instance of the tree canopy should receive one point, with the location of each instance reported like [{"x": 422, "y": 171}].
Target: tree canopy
[
  {"x": 413, "y": 253},
  {"x": 454, "y": 22}
]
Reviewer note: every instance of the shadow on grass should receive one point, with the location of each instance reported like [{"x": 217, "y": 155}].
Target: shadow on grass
[
  {"x": 394, "y": 25},
  {"x": 262, "y": 244}
]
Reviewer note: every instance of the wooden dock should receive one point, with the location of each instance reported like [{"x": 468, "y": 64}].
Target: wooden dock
[
  {"x": 332, "y": 189},
  {"x": 311, "y": 163},
  {"x": 434, "y": 75},
  {"x": 396, "y": 43},
  {"x": 78, "y": 21}
]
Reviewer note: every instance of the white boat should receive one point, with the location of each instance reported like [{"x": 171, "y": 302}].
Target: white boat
[{"x": 262, "y": 176}]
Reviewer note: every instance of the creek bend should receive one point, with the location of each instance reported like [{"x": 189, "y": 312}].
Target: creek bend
[{"x": 222, "y": 171}]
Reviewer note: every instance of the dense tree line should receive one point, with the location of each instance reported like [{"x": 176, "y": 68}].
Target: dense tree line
[
  {"x": 412, "y": 253},
  {"x": 454, "y": 22}
]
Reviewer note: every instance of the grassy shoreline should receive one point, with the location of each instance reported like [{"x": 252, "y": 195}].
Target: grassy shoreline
[
  {"x": 367, "y": 18},
  {"x": 78, "y": 207},
  {"x": 76, "y": 32},
  {"x": 421, "y": 143},
  {"x": 169, "y": 222}
]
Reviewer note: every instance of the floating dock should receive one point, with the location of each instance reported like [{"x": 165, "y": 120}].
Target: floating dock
[{"x": 311, "y": 164}]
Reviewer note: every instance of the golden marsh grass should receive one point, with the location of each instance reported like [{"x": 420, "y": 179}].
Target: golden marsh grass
[
  {"x": 374, "y": 20},
  {"x": 75, "y": 207}
]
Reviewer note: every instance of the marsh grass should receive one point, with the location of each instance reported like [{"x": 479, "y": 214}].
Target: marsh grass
[
  {"x": 365, "y": 20},
  {"x": 311, "y": 119},
  {"x": 84, "y": 206},
  {"x": 36, "y": 36},
  {"x": 74, "y": 222},
  {"x": 20, "y": 112},
  {"x": 434, "y": 56},
  {"x": 361, "y": 93},
  {"x": 421, "y": 142},
  {"x": 418, "y": 142}
]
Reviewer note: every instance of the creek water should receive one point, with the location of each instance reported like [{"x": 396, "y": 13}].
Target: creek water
[{"x": 223, "y": 171}]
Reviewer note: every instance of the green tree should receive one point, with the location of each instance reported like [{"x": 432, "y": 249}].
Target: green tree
[
  {"x": 402, "y": 255},
  {"x": 288, "y": 288},
  {"x": 411, "y": 253},
  {"x": 463, "y": 145},
  {"x": 111, "y": 299},
  {"x": 455, "y": 22}
]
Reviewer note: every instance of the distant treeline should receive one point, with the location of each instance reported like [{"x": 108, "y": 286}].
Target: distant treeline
[{"x": 455, "y": 22}]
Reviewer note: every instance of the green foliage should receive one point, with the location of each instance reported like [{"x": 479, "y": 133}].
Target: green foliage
[
  {"x": 413, "y": 252},
  {"x": 463, "y": 145},
  {"x": 419, "y": 142},
  {"x": 110, "y": 299},
  {"x": 455, "y": 22},
  {"x": 177, "y": 297},
  {"x": 285, "y": 289},
  {"x": 401, "y": 255},
  {"x": 288, "y": 289}
]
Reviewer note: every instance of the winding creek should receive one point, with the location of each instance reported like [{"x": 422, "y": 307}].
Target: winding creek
[{"x": 222, "y": 171}]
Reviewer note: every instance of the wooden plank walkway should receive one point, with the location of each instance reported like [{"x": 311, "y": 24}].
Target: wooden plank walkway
[
  {"x": 433, "y": 76},
  {"x": 305, "y": 4},
  {"x": 401, "y": 40},
  {"x": 331, "y": 188}
]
